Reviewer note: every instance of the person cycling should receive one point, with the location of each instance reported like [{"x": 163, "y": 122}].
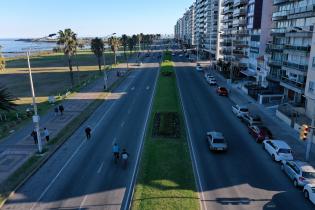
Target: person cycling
[
  {"x": 124, "y": 156},
  {"x": 116, "y": 152}
]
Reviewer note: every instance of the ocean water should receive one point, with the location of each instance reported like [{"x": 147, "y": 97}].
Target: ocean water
[{"x": 12, "y": 48}]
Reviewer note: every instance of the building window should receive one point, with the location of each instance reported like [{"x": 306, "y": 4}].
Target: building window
[{"x": 311, "y": 87}]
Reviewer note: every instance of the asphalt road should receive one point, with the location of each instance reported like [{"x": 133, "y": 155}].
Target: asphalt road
[
  {"x": 82, "y": 174},
  {"x": 244, "y": 177}
]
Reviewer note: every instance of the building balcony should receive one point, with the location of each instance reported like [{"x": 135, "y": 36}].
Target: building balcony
[
  {"x": 239, "y": 22},
  {"x": 294, "y": 66},
  {"x": 227, "y": 2},
  {"x": 239, "y": 12},
  {"x": 275, "y": 63},
  {"x": 226, "y": 52},
  {"x": 227, "y": 10},
  {"x": 238, "y": 3},
  {"x": 282, "y": 15},
  {"x": 243, "y": 32},
  {"x": 278, "y": 31},
  {"x": 292, "y": 85},
  {"x": 239, "y": 53},
  {"x": 274, "y": 47},
  {"x": 240, "y": 43},
  {"x": 276, "y": 2},
  {"x": 226, "y": 43},
  {"x": 298, "y": 48}
]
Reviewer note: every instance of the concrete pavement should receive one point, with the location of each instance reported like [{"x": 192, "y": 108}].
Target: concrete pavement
[
  {"x": 243, "y": 178},
  {"x": 81, "y": 174}
]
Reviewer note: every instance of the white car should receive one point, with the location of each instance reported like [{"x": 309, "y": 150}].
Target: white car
[
  {"x": 309, "y": 192},
  {"x": 301, "y": 173},
  {"x": 239, "y": 110},
  {"x": 278, "y": 149},
  {"x": 198, "y": 67},
  {"x": 216, "y": 141},
  {"x": 212, "y": 81}
]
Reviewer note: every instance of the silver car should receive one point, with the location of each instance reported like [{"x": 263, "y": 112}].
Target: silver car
[
  {"x": 216, "y": 141},
  {"x": 300, "y": 172}
]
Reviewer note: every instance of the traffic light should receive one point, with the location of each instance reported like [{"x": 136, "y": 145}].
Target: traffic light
[{"x": 304, "y": 132}]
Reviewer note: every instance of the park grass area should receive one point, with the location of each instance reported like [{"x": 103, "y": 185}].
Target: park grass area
[
  {"x": 165, "y": 179},
  {"x": 51, "y": 78}
]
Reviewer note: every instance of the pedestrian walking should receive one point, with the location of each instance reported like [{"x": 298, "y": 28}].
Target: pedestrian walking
[
  {"x": 61, "y": 109},
  {"x": 56, "y": 110},
  {"x": 34, "y": 135},
  {"x": 46, "y": 134},
  {"x": 88, "y": 132}
]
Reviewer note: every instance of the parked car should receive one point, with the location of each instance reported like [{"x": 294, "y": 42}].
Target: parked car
[
  {"x": 212, "y": 81},
  {"x": 259, "y": 132},
  {"x": 278, "y": 149},
  {"x": 222, "y": 91},
  {"x": 309, "y": 192},
  {"x": 239, "y": 110},
  {"x": 208, "y": 76},
  {"x": 301, "y": 173},
  {"x": 198, "y": 67},
  {"x": 216, "y": 141},
  {"x": 251, "y": 119}
]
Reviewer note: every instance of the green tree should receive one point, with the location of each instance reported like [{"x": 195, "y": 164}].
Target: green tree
[
  {"x": 124, "y": 42},
  {"x": 2, "y": 61},
  {"x": 68, "y": 39},
  {"x": 6, "y": 100},
  {"x": 114, "y": 45},
  {"x": 131, "y": 44},
  {"x": 97, "y": 47}
]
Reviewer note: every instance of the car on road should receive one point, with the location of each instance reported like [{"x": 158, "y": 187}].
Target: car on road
[
  {"x": 309, "y": 192},
  {"x": 251, "y": 119},
  {"x": 301, "y": 173},
  {"x": 216, "y": 141},
  {"x": 239, "y": 110},
  {"x": 278, "y": 149},
  {"x": 222, "y": 91},
  {"x": 212, "y": 81},
  {"x": 198, "y": 67},
  {"x": 180, "y": 55},
  {"x": 259, "y": 132}
]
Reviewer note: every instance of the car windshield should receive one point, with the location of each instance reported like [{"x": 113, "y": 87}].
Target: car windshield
[
  {"x": 285, "y": 151},
  {"x": 244, "y": 110},
  {"x": 218, "y": 141},
  {"x": 308, "y": 175}
]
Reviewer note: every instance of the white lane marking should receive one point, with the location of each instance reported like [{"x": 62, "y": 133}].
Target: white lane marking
[
  {"x": 71, "y": 157},
  {"x": 122, "y": 124},
  {"x": 82, "y": 203},
  {"x": 135, "y": 171},
  {"x": 147, "y": 88},
  {"x": 192, "y": 149},
  {"x": 100, "y": 168}
]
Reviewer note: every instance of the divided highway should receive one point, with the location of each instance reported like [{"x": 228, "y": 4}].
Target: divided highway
[
  {"x": 82, "y": 174},
  {"x": 244, "y": 177}
]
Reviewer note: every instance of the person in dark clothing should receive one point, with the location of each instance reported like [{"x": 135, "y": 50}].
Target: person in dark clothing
[
  {"x": 88, "y": 132},
  {"x": 56, "y": 110},
  {"x": 34, "y": 135},
  {"x": 61, "y": 109}
]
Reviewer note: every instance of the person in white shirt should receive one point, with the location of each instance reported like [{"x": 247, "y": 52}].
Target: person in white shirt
[{"x": 46, "y": 134}]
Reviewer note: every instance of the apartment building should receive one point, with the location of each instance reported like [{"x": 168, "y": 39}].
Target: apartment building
[
  {"x": 201, "y": 23},
  {"x": 290, "y": 47},
  {"x": 213, "y": 24},
  {"x": 185, "y": 27}
]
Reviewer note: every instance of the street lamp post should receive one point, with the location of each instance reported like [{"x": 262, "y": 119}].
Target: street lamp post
[
  {"x": 104, "y": 70},
  {"x": 35, "y": 116}
]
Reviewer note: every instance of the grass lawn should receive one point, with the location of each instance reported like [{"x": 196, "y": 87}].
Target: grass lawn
[{"x": 166, "y": 179}]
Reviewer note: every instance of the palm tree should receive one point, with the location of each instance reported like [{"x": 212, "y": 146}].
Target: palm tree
[
  {"x": 69, "y": 41},
  {"x": 124, "y": 43},
  {"x": 114, "y": 44},
  {"x": 2, "y": 61},
  {"x": 6, "y": 100},
  {"x": 97, "y": 47}
]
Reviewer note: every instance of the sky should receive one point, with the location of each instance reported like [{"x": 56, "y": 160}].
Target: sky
[{"x": 38, "y": 18}]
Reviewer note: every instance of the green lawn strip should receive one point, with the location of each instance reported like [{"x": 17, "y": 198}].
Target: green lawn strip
[
  {"x": 165, "y": 179},
  {"x": 35, "y": 161}
]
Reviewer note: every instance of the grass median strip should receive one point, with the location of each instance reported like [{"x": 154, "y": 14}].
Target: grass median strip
[{"x": 166, "y": 179}]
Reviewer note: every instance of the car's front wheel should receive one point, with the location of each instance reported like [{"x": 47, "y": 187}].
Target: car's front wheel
[
  {"x": 273, "y": 157},
  {"x": 306, "y": 195},
  {"x": 295, "y": 183}
]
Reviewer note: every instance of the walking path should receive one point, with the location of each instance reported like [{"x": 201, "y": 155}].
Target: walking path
[
  {"x": 280, "y": 129},
  {"x": 16, "y": 148}
]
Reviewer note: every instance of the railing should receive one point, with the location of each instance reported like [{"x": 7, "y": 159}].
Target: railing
[
  {"x": 300, "y": 48},
  {"x": 293, "y": 83},
  {"x": 299, "y": 67}
]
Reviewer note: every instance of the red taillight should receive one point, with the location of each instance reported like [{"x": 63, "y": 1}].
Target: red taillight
[{"x": 302, "y": 179}]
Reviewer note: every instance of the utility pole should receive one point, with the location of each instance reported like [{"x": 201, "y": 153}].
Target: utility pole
[
  {"x": 35, "y": 116},
  {"x": 310, "y": 140}
]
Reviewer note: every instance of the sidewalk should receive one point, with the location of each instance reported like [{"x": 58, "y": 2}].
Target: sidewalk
[
  {"x": 16, "y": 148},
  {"x": 278, "y": 128}
]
